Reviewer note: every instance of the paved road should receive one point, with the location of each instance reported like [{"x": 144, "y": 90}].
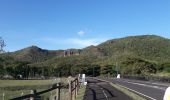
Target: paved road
[
  {"x": 150, "y": 90},
  {"x": 99, "y": 90}
]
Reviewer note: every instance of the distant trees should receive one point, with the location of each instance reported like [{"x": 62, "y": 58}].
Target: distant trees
[
  {"x": 137, "y": 66},
  {"x": 144, "y": 55},
  {"x": 106, "y": 69},
  {"x": 2, "y": 45},
  {"x": 164, "y": 67}
]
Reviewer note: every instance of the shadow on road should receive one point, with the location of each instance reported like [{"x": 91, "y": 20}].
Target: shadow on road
[{"x": 99, "y": 90}]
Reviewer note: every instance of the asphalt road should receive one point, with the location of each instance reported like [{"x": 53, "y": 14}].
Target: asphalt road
[
  {"x": 149, "y": 90},
  {"x": 99, "y": 90}
]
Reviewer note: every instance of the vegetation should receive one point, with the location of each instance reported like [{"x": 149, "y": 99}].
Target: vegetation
[
  {"x": 137, "y": 66},
  {"x": 134, "y": 55},
  {"x": 11, "y": 94},
  {"x": 14, "y": 88},
  {"x": 81, "y": 93}
]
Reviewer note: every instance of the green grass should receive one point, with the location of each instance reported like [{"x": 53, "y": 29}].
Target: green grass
[
  {"x": 81, "y": 93},
  {"x": 162, "y": 74},
  {"x": 50, "y": 95},
  {"x": 11, "y": 94},
  {"x": 14, "y": 88},
  {"x": 12, "y": 83}
]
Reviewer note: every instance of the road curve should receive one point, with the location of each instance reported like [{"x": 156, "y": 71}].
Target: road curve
[
  {"x": 149, "y": 90},
  {"x": 99, "y": 90}
]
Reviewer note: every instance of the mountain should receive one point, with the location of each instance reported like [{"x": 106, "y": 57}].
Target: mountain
[
  {"x": 149, "y": 47},
  {"x": 134, "y": 55},
  {"x": 34, "y": 54}
]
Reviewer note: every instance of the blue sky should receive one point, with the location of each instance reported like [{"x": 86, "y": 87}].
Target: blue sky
[{"x": 62, "y": 24}]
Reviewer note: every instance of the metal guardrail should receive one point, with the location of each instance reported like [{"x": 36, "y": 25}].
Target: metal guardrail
[{"x": 149, "y": 78}]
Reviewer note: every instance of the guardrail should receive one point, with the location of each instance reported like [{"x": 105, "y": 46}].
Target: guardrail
[{"x": 149, "y": 78}]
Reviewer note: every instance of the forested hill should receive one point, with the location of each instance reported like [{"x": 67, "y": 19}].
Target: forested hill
[
  {"x": 34, "y": 54},
  {"x": 134, "y": 55},
  {"x": 149, "y": 47}
]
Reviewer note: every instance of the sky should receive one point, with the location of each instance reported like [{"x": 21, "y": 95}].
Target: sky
[{"x": 63, "y": 24}]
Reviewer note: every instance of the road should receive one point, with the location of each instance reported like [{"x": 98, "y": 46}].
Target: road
[
  {"x": 99, "y": 90},
  {"x": 149, "y": 90}
]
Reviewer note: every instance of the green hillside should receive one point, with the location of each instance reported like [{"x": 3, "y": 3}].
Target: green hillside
[
  {"x": 34, "y": 54},
  {"x": 149, "y": 47},
  {"x": 133, "y": 55}
]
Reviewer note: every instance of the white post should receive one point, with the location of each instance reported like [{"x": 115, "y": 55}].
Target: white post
[
  {"x": 83, "y": 78},
  {"x": 3, "y": 96},
  {"x": 22, "y": 94},
  {"x": 32, "y": 92},
  {"x": 167, "y": 94},
  {"x": 118, "y": 76}
]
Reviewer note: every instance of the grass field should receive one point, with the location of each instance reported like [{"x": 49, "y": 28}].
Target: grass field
[
  {"x": 11, "y": 83},
  {"x": 81, "y": 93},
  {"x": 15, "y": 88}
]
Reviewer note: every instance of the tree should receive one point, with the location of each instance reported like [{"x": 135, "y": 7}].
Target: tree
[
  {"x": 106, "y": 69},
  {"x": 138, "y": 66},
  {"x": 2, "y": 45}
]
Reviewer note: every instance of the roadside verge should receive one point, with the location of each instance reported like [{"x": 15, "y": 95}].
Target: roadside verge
[{"x": 81, "y": 93}]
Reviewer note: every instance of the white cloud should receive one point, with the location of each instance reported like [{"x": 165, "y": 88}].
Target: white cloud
[{"x": 81, "y": 32}]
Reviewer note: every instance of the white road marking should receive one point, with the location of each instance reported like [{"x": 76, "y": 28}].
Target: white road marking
[
  {"x": 165, "y": 85},
  {"x": 104, "y": 93},
  {"x": 158, "y": 84},
  {"x": 134, "y": 91},
  {"x": 146, "y": 85},
  {"x": 138, "y": 92}
]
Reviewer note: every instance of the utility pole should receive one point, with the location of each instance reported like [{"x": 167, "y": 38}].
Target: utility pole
[
  {"x": 117, "y": 72},
  {"x": 117, "y": 68},
  {"x": 93, "y": 71},
  {"x": 2, "y": 45}
]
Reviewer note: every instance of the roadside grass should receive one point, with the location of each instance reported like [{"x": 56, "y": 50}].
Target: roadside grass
[
  {"x": 11, "y": 94},
  {"x": 13, "y": 83},
  {"x": 127, "y": 92},
  {"x": 161, "y": 74},
  {"x": 50, "y": 95},
  {"x": 81, "y": 93}
]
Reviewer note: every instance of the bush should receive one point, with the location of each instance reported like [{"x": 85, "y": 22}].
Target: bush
[{"x": 137, "y": 66}]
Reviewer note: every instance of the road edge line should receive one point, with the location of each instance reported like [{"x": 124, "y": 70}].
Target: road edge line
[
  {"x": 137, "y": 92},
  {"x": 133, "y": 91}
]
